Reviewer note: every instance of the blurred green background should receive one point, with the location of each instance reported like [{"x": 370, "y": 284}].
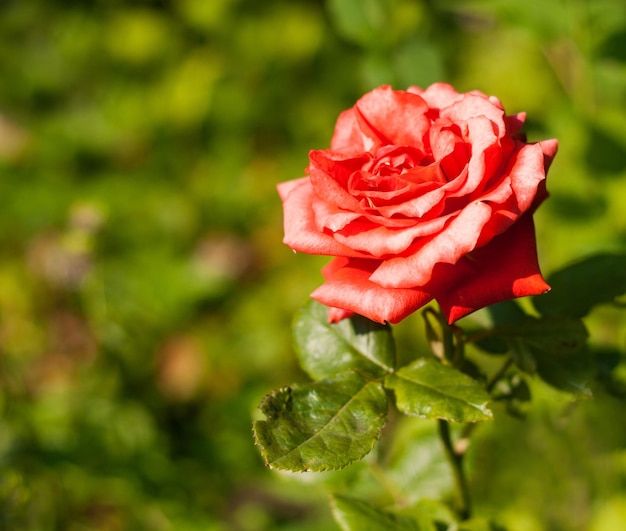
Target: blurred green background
[{"x": 145, "y": 295}]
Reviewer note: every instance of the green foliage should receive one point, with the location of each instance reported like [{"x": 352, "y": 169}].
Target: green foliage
[
  {"x": 328, "y": 424},
  {"x": 352, "y": 514},
  {"x": 578, "y": 288},
  {"x": 555, "y": 348},
  {"x": 431, "y": 390},
  {"x": 358, "y": 343},
  {"x": 321, "y": 426}
]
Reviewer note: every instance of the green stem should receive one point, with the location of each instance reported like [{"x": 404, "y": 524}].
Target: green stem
[
  {"x": 454, "y": 353},
  {"x": 456, "y": 461}
]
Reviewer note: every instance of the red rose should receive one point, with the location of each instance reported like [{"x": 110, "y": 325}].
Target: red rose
[{"x": 424, "y": 194}]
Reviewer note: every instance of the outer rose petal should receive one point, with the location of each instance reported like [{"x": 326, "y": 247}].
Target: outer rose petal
[
  {"x": 348, "y": 287},
  {"x": 504, "y": 269},
  {"x": 301, "y": 232}
]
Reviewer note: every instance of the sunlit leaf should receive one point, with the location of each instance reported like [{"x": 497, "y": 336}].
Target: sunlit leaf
[
  {"x": 321, "y": 426},
  {"x": 577, "y": 288},
  {"x": 429, "y": 389},
  {"x": 357, "y": 515},
  {"x": 325, "y": 349}
]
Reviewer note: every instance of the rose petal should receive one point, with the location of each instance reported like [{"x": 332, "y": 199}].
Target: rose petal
[
  {"x": 301, "y": 232},
  {"x": 504, "y": 269},
  {"x": 337, "y": 314},
  {"x": 384, "y": 116},
  {"x": 527, "y": 172},
  {"x": 348, "y": 288},
  {"x": 329, "y": 173},
  {"x": 515, "y": 122},
  {"x": 549, "y": 149},
  {"x": 380, "y": 241},
  {"x": 437, "y": 95},
  {"x": 331, "y": 217},
  {"x": 474, "y": 105},
  {"x": 349, "y": 137},
  {"x": 457, "y": 239},
  {"x": 428, "y": 204}
]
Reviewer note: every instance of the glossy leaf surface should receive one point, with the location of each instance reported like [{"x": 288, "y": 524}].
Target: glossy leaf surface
[
  {"x": 325, "y": 349},
  {"x": 429, "y": 389},
  {"x": 321, "y": 426}
]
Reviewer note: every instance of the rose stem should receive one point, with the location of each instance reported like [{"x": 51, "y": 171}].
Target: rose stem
[
  {"x": 456, "y": 461},
  {"x": 453, "y": 353}
]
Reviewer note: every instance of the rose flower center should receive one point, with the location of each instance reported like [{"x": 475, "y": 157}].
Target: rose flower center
[{"x": 394, "y": 171}]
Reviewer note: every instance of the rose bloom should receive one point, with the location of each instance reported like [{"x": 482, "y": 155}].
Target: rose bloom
[{"x": 423, "y": 194}]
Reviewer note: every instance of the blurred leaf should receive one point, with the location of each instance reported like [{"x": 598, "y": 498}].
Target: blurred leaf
[
  {"x": 506, "y": 312},
  {"x": 434, "y": 510},
  {"x": 576, "y": 289},
  {"x": 321, "y": 426},
  {"x": 578, "y": 207},
  {"x": 137, "y": 36},
  {"x": 614, "y": 47},
  {"x": 515, "y": 392},
  {"x": 555, "y": 347},
  {"x": 429, "y": 389},
  {"x": 416, "y": 467},
  {"x": 571, "y": 373},
  {"x": 363, "y": 22},
  {"x": 356, "y": 515},
  {"x": 606, "y": 154},
  {"x": 523, "y": 356},
  {"x": 492, "y": 345},
  {"x": 325, "y": 349}
]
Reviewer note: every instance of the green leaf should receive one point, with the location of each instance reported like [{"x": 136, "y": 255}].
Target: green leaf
[
  {"x": 506, "y": 312},
  {"x": 356, "y": 515},
  {"x": 416, "y": 467},
  {"x": 578, "y": 288},
  {"x": 523, "y": 355},
  {"x": 502, "y": 313},
  {"x": 321, "y": 426},
  {"x": 325, "y": 349},
  {"x": 429, "y": 389},
  {"x": 553, "y": 347}
]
